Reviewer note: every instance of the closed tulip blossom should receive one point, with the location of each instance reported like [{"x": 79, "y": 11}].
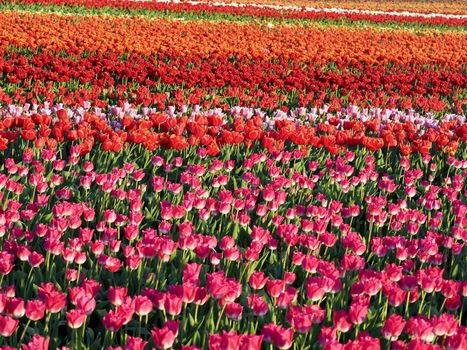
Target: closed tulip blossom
[
  {"x": 37, "y": 342},
  {"x": 8, "y": 326},
  {"x": 164, "y": 337},
  {"x": 35, "y": 310},
  {"x": 393, "y": 327},
  {"x": 55, "y": 301},
  {"x": 135, "y": 343},
  {"x": 281, "y": 337},
  {"x": 75, "y": 318}
]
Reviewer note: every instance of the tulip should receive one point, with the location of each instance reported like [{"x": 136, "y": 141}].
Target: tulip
[
  {"x": 113, "y": 321},
  {"x": 393, "y": 327},
  {"x": 341, "y": 321},
  {"x": 35, "y": 310},
  {"x": 275, "y": 287},
  {"x": 135, "y": 343},
  {"x": 15, "y": 307},
  {"x": 445, "y": 325},
  {"x": 173, "y": 304},
  {"x": 116, "y": 295},
  {"x": 75, "y": 318},
  {"x": 86, "y": 304},
  {"x": 358, "y": 313},
  {"x": 143, "y": 305},
  {"x": 37, "y": 343},
  {"x": 280, "y": 337},
  {"x": 55, "y": 301},
  {"x": 164, "y": 338},
  {"x": 7, "y": 326},
  {"x": 234, "y": 311}
]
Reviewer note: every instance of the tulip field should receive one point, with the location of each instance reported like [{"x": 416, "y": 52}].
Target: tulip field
[{"x": 233, "y": 175}]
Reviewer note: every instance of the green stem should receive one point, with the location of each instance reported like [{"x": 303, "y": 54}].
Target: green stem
[
  {"x": 24, "y": 332},
  {"x": 219, "y": 319}
]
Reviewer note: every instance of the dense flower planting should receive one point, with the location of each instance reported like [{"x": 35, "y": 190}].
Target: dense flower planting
[
  {"x": 78, "y": 34},
  {"x": 263, "y": 242},
  {"x": 432, "y": 6},
  {"x": 217, "y": 183},
  {"x": 267, "y": 10},
  {"x": 218, "y": 81}
]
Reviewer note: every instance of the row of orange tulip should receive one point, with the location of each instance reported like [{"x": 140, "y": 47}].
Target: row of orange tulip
[{"x": 145, "y": 36}]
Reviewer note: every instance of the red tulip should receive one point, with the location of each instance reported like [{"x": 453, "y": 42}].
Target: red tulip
[
  {"x": 445, "y": 325},
  {"x": 112, "y": 264},
  {"x": 190, "y": 347},
  {"x": 164, "y": 338},
  {"x": 55, "y": 301},
  {"x": 71, "y": 275},
  {"x": 234, "y": 311},
  {"x": 8, "y": 326},
  {"x": 457, "y": 341},
  {"x": 10, "y": 291},
  {"x": 327, "y": 335},
  {"x": 279, "y": 336},
  {"x": 286, "y": 298},
  {"x": 135, "y": 343},
  {"x": 91, "y": 286},
  {"x": 251, "y": 342},
  {"x": 227, "y": 341},
  {"x": 3, "y": 300},
  {"x": 301, "y": 321},
  {"x": 372, "y": 286},
  {"x": 173, "y": 304},
  {"x": 314, "y": 291},
  {"x": 86, "y": 303},
  {"x": 289, "y": 277},
  {"x": 113, "y": 320},
  {"x": 358, "y": 312},
  {"x": 453, "y": 303},
  {"x": 35, "y": 310},
  {"x": 127, "y": 310},
  {"x": 143, "y": 305},
  {"x": 420, "y": 327},
  {"x": 275, "y": 287},
  {"x": 341, "y": 321},
  {"x": 258, "y": 280},
  {"x": 15, "y": 307},
  {"x": 259, "y": 306},
  {"x": 37, "y": 343},
  {"x": 222, "y": 288},
  {"x": 396, "y": 296},
  {"x": 75, "y": 318},
  {"x": 393, "y": 327},
  {"x": 116, "y": 295},
  {"x": 394, "y": 272},
  {"x": 6, "y": 262}
]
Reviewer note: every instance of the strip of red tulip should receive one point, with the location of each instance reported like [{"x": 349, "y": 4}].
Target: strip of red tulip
[
  {"x": 218, "y": 81},
  {"x": 213, "y": 130},
  {"x": 262, "y": 11}
]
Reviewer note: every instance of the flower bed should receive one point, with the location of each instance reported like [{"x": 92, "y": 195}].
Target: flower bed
[{"x": 226, "y": 184}]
